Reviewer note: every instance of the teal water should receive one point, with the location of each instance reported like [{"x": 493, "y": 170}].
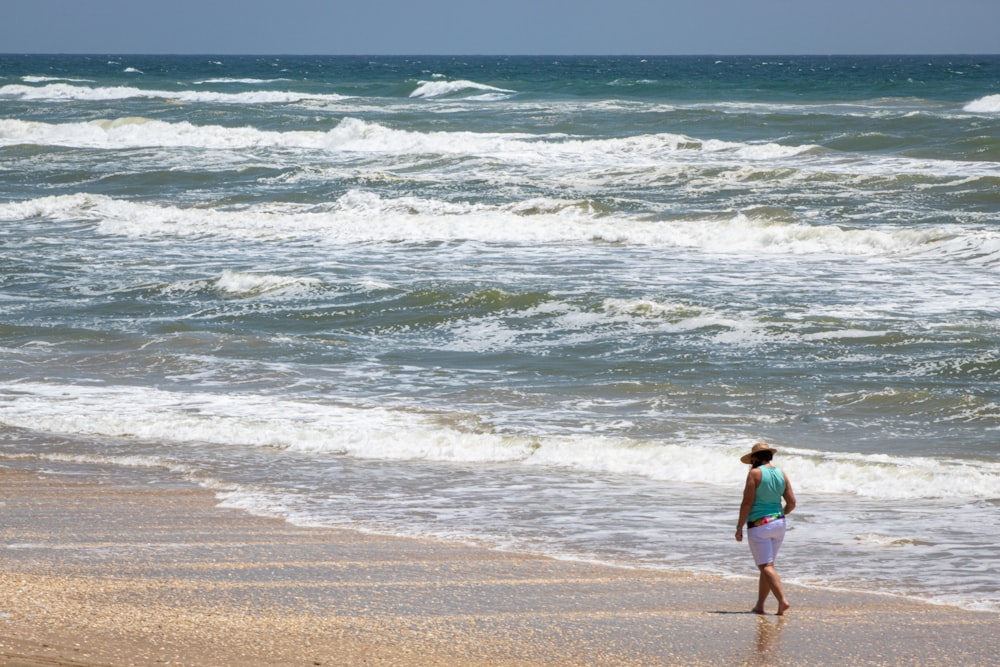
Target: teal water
[{"x": 541, "y": 303}]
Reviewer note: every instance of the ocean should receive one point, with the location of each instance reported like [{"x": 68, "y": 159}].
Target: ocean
[{"x": 533, "y": 303}]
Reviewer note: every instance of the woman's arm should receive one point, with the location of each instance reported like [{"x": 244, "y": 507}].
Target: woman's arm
[
  {"x": 788, "y": 495},
  {"x": 749, "y": 493}
]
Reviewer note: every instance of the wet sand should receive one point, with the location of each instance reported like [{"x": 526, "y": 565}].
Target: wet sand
[{"x": 98, "y": 574}]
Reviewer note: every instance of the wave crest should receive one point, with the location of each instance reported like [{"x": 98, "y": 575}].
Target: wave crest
[
  {"x": 379, "y": 433},
  {"x": 461, "y": 88},
  {"x": 988, "y": 104},
  {"x": 244, "y": 285},
  {"x": 67, "y": 92},
  {"x": 361, "y": 216}
]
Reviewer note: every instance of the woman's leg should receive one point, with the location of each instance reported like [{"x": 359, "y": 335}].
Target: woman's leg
[
  {"x": 763, "y": 588},
  {"x": 764, "y": 544},
  {"x": 770, "y": 582}
]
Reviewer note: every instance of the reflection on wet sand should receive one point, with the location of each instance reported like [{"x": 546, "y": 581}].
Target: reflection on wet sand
[{"x": 767, "y": 643}]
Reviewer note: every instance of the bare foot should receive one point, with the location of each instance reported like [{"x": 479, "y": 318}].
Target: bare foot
[
  {"x": 757, "y": 610},
  {"x": 783, "y": 607}
]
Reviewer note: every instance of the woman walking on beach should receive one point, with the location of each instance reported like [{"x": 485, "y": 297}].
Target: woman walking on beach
[{"x": 764, "y": 517}]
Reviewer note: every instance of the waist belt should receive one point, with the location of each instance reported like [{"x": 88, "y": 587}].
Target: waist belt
[{"x": 765, "y": 519}]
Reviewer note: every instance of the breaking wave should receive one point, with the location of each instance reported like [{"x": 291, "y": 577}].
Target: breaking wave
[
  {"x": 67, "y": 92},
  {"x": 462, "y": 89},
  {"x": 988, "y": 104},
  {"x": 360, "y": 216},
  {"x": 372, "y": 432}
]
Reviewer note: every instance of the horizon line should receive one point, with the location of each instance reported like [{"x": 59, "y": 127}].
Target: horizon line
[{"x": 503, "y": 55}]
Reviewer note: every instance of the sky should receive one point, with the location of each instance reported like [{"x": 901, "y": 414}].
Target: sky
[{"x": 493, "y": 27}]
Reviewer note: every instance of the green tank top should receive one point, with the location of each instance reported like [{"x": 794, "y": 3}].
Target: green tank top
[{"x": 767, "y": 500}]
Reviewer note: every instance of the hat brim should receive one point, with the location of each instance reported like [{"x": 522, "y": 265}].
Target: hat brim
[{"x": 746, "y": 458}]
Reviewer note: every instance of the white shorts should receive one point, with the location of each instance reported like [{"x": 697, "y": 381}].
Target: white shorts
[{"x": 765, "y": 541}]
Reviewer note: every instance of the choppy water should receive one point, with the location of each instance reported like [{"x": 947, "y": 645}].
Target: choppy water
[{"x": 538, "y": 303}]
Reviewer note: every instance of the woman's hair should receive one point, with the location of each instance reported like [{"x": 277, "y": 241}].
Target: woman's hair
[{"x": 760, "y": 458}]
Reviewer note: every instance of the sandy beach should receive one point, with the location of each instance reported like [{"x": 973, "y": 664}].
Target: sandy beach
[{"x": 96, "y": 574}]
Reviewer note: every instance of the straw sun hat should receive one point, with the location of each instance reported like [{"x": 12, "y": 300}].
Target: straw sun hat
[{"x": 759, "y": 447}]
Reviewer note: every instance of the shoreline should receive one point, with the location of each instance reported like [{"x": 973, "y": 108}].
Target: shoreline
[{"x": 101, "y": 574}]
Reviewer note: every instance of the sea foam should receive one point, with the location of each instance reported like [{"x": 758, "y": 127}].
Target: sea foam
[
  {"x": 445, "y": 89},
  {"x": 244, "y": 285},
  {"x": 373, "y": 432},
  {"x": 64, "y": 91},
  {"x": 988, "y": 104},
  {"x": 48, "y": 79},
  {"x": 133, "y": 132},
  {"x": 238, "y": 80},
  {"x": 574, "y": 161},
  {"x": 361, "y": 216}
]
